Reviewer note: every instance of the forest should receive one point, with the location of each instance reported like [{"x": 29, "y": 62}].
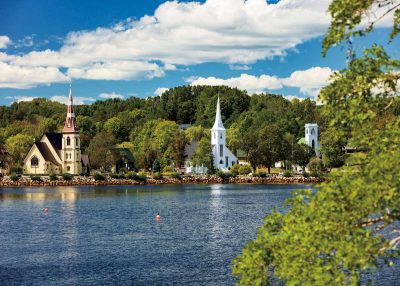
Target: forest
[{"x": 265, "y": 127}]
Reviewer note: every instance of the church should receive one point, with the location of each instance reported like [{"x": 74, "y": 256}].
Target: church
[
  {"x": 223, "y": 157},
  {"x": 58, "y": 153}
]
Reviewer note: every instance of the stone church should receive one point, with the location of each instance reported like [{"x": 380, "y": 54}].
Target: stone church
[
  {"x": 58, "y": 153},
  {"x": 223, "y": 157}
]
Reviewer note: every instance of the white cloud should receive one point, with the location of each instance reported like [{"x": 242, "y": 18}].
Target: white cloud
[
  {"x": 235, "y": 32},
  {"x": 159, "y": 91},
  {"x": 309, "y": 81},
  {"x": 77, "y": 99},
  {"x": 239, "y": 67},
  {"x": 252, "y": 84},
  {"x": 14, "y": 76},
  {"x": 111, "y": 95},
  {"x": 4, "y": 42},
  {"x": 21, "y": 98}
]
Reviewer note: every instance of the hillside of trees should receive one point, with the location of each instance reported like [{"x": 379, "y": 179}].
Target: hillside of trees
[{"x": 265, "y": 126}]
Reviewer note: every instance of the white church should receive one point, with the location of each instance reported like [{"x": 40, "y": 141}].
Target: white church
[
  {"x": 223, "y": 157},
  {"x": 58, "y": 153}
]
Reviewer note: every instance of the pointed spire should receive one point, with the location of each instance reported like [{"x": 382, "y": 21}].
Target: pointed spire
[
  {"x": 218, "y": 125},
  {"x": 70, "y": 121}
]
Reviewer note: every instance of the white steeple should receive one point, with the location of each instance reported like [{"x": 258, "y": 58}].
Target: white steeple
[{"x": 218, "y": 125}]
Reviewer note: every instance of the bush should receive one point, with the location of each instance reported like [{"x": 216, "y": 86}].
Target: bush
[
  {"x": 67, "y": 177},
  {"x": 316, "y": 174},
  {"x": 235, "y": 169},
  {"x": 117, "y": 176},
  {"x": 135, "y": 176},
  {"x": 99, "y": 177},
  {"x": 260, "y": 174},
  {"x": 245, "y": 170},
  {"x": 14, "y": 178},
  {"x": 315, "y": 165},
  {"x": 36, "y": 178},
  {"x": 176, "y": 175},
  {"x": 224, "y": 175},
  {"x": 157, "y": 176},
  {"x": 306, "y": 175},
  {"x": 287, "y": 174},
  {"x": 53, "y": 177},
  {"x": 168, "y": 169}
]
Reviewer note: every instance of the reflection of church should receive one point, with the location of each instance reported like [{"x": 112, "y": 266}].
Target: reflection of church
[{"x": 58, "y": 153}]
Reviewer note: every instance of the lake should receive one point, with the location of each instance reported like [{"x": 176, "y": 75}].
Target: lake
[{"x": 109, "y": 235}]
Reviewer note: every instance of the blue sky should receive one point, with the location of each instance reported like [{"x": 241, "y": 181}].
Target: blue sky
[{"x": 138, "y": 48}]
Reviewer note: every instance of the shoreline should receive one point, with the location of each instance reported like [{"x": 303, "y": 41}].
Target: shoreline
[{"x": 88, "y": 181}]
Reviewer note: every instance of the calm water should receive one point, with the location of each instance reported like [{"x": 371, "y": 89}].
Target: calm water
[{"x": 108, "y": 235}]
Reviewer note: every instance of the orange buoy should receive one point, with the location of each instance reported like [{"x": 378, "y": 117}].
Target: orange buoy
[
  {"x": 46, "y": 210},
  {"x": 158, "y": 217}
]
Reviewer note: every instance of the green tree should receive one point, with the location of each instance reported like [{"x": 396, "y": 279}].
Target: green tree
[
  {"x": 203, "y": 154},
  {"x": 336, "y": 235},
  {"x": 332, "y": 147},
  {"x": 18, "y": 146},
  {"x": 101, "y": 151},
  {"x": 302, "y": 154},
  {"x": 178, "y": 147}
]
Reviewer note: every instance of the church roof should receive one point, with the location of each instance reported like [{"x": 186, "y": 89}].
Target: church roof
[
  {"x": 55, "y": 141},
  {"x": 46, "y": 153},
  {"x": 218, "y": 125},
  {"x": 70, "y": 120}
]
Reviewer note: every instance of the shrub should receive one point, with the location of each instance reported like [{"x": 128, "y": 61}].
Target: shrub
[
  {"x": 260, "y": 174},
  {"x": 245, "y": 170},
  {"x": 117, "y": 176},
  {"x": 176, "y": 175},
  {"x": 224, "y": 175},
  {"x": 135, "y": 176},
  {"x": 235, "y": 169},
  {"x": 99, "y": 177},
  {"x": 67, "y": 177},
  {"x": 316, "y": 174},
  {"x": 287, "y": 174},
  {"x": 36, "y": 178},
  {"x": 157, "y": 176},
  {"x": 306, "y": 175},
  {"x": 53, "y": 177},
  {"x": 315, "y": 165},
  {"x": 14, "y": 178},
  {"x": 168, "y": 169}
]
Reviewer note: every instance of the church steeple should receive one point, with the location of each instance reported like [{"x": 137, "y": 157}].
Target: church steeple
[
  {"x": 218, "y": 125},
  {"x": 70, "y": 121}
]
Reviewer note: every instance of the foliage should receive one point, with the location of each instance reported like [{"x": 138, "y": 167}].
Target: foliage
[
  {"x": 315, "y": 165},
  {"x": 224, "y": 175},
  {"x": 14, "y": 178},
  {"x": 203, "y": 154},
  {"x": 18, "y": 146},
  {"x": 156, "y": 167},
  {"x": 67, "y": 177},
  {"x": 136, "y": 177},
  {"x": 260, "y": 174},
  {"x": 245, "y": 170},
  {"x": 98, "y": 177},
  {"x": 235, "y": 169},
  {"x": 302, "y": 154},
  {"x": 333, "y": 143},
  {"x": 53, "y": 177},
  {"x": 287, "y": 174},
  {"x": 36, "y": 178},
  {"x": 101, "y": 153},
  {"x": 176, "y": 175},
  {"x": 348, "y": 227},
  {"x": 157, "y": 176}
]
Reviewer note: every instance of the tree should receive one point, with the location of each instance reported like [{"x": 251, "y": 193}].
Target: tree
[
  {"x": 18, "y": 146},
  {"x": 101, "y": 151},
  {"x": 347, "y": 227},
  {"x": 302, "y": 154},
  {"x": 203, "y": 154},
  {"x": 270, "y": 146},
  {"x": 332, "y": 147},
  {"x": 178, "y": 147}
]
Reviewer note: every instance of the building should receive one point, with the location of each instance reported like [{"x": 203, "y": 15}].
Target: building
[
  {"x": 57, "y": 153},
  {"x": 223, "y": 157},
  {"x": 311, "y": 136}
]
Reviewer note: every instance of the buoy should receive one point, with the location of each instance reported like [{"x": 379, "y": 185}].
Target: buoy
[
  {"x": 158, "y": 217},
  {"x": 46, "y": 210}
]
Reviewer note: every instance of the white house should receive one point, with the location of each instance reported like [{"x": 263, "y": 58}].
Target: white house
[{"x": 223, "y": 157}]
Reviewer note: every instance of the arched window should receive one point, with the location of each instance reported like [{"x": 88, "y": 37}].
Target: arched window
[
  {"x": 68, "y": 168},
  {"x": 68, "y": 141},
  {"x": 34, "y": 162},
  {"x": 313, "y": 144},
  {"x": 312, "y": 131}
]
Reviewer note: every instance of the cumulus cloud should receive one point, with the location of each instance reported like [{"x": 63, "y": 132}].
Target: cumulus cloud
[
  {"x": 111, "y": 95},
  {"x": 78, "y": 100},
  {"x": 234, "y": 32},
  {"x": 4, "y": 42},
  {"x": 23, "y": 77},
  {"x": 252, "y": 84},
  {"x": 21, "y": 98},
  {"x": 159, "y": 91},
  {"x": 309, "y": 81}
]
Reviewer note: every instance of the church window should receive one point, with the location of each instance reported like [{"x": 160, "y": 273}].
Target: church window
[
  {"x": 221, "y": 150},
  {"x": 76, "y": 141},
  {"x": 312, "y": 131},
  {"x": 68, "y": 168},
  {"x": 313, "y": 144},
  {"x": 221, "y": 136},
  {"x": 221, "y": 162},
  {"x": 34, "y": 162},
  {"x": 226, "y": 161},
  {"x": 68, "y": 141}
]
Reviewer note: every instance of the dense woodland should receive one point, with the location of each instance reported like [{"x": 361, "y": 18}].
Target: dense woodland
[{"x": 265, "y": 127}]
